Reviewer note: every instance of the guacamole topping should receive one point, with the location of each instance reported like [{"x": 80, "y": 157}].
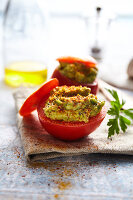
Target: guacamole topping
[
  {"x": 72, "y": 104},
  {"x": 78, "y": 72}
]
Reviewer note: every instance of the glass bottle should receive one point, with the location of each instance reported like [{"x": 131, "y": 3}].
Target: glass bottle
[{"x": 24, "y": 43}]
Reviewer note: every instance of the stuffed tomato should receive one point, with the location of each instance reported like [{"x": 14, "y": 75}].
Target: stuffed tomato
[
  {"x": 71, "y": 113},
  {"x": 66, "y": 112},
  {"x": 77, "y": 71}
]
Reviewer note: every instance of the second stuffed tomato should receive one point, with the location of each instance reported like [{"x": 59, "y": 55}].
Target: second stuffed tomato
[{"x": 77, "y": 71}]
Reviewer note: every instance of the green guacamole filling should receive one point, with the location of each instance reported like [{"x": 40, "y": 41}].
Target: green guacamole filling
[
  {"x": 72, "y": 104},
  {"x": 78, "y": 72}
]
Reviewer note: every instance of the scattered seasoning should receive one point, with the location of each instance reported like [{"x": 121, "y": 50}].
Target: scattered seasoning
[
  {"x": 91, "y": 146},
  {"x": 62, "y": 185},
  {"x": 56, "y": 196},
  {"x": 16, "y": 152}
]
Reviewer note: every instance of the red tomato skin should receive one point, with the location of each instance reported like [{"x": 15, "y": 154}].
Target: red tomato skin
[
  {"x": 31, "y": 102},
  {"x": 89, "y": 62},
  {"x": 69, "y": 131},
  {"x": 63, "y": 80}
]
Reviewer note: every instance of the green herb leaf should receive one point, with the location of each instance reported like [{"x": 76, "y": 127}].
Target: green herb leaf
[
  {"x": 129, "y": 113},
  {"x": 123, "y": 102},
  {"x": 120, "y": 116},
  {"x": 114, "y": 94},
  {"x": 112, "y": 111},
  {"x": 124, "y": 122},
  {"x": 113, "y": 127}
]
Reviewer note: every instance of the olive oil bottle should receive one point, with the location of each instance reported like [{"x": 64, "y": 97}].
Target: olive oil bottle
[
  {"x": 25, "y": 73},
  {"x": 25, "y": 43}
]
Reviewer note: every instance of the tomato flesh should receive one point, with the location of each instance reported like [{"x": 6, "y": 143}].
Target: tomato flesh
[
  {"x": 69, "y": 131},
  {"x": 63, "y": 80}
]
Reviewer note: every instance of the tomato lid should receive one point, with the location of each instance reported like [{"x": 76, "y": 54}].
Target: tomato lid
[
  {"x": 32, "y": 101},
  {"x": 88, "y": 61}
]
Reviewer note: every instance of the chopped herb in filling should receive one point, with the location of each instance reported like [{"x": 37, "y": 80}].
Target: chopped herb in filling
[
  {"x": 72, "y": 104},
  {"x": 78, "y": 72}
]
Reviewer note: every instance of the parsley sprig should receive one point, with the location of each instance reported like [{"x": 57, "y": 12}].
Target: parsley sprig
[{"x": 121, "y": 117}]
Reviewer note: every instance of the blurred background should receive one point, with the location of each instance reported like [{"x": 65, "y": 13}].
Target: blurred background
[{"x": 33, "y": 33}]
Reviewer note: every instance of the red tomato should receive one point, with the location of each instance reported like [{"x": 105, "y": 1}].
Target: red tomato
[
  {"x": 69, "y": 131},
  {"x": 31, "y": 102},
  {"x": 63, "y": 80},
  {"x": 89, "y": 62}
]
